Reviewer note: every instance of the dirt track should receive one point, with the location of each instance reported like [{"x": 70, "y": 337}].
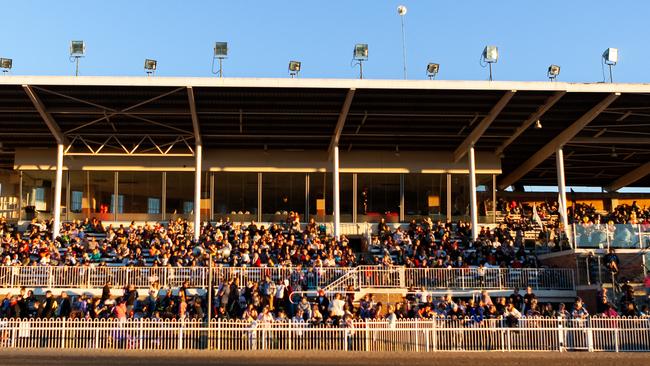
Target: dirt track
[{"x": 189, "y": 358}]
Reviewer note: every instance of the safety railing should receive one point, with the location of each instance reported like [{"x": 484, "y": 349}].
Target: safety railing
[
  {"x": 337, "y": 279},
  {"x": 411, "y": 335},
  {"x": 490, "y": 278}
]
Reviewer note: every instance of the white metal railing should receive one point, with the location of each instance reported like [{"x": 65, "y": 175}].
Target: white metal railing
[
  {"x": 412, "y": 335},
  {"x": 335, "y": 279},
  {"x": 605, "y": 236}
]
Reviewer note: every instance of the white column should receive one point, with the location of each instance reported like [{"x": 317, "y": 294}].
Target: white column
[
  {"x": 337, "y": 194},
  {"x": 561, "y": 186},
  {"x": 198, "y": 152},
  {"x": 56, "y": 227},
  {"x": 472, "y": 192}
]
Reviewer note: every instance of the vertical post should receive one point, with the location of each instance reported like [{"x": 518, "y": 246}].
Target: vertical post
[
  {"x": 354, "y": 198},
  {"x": 306, "y": 217},
  {"x": 494, "y": 198},
  {"x": 211, "y": 196},
  {"x": 449, "y": 197},
  {"x": 559, "y": 162},
  {"x": 198, "y": 154},
  {"x": 68, "y": 202},
  {"x": 472, "y": 192},
  {"x": 20, "y": 196},
  {"x": 401, "y": 197},
  {"x": 210, "y": 288},
  {"x": 163, "y": 201},
  {"x": 116, "y": 194},
  {"x": 337, "y": 193},
  {"x": 259, "y": 197},
  {"x": 56, "y": 226}
]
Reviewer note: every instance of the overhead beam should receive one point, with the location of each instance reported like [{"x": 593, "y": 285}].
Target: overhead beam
[
  {"x": 340, "y": 123},
  {"x": 47, "y": 118},
  {"x": 561, "y": 139},
  {"x": 195, "y": 117},
  {"x": 610, "y": 141},
  {"x": 478, "y": 131},
  {"x": 550, "y": 102},
  {"x": 629, "y": 178}
]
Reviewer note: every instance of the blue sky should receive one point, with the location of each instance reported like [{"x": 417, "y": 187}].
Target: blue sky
[{"x": 265, "y": 35}]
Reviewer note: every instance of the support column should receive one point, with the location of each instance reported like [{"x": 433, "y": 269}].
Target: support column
[
  {"x": 198, "y": 154},
  {"x": 561, "y": 186},
  {"x": 472, "y": 192},
  {"x": 336, "y": 192},
  {"x": 56, "y": 226},
  {"x": 449, "y": 192}
]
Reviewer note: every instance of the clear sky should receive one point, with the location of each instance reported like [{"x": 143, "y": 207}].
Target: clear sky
[{"x": 264, "y": 35}]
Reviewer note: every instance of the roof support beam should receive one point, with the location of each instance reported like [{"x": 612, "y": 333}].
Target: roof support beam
[
  {"x": 610, "y": 141},
  {"x": 340, "y": 123},
  {"x": 478, "y": 131},
  {"x": 195, "y": 117},
  {"x": 47, "y": 118},
  {"x": 550, "y": 102},
  {"x": 561, "y": 139},
  {"x": 629, "y": 178}
]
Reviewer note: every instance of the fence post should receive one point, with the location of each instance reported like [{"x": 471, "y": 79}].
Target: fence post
[
  {"x": 590, "y": 336},
  {"x": 426, "y": 338},
  {"x": 560, "y": 335},
  {"x": 417, "y": 330},
  {"x": 616, "y": 338},
  {"x": 289, "y": 334},
  {"x": 180, "y": 335},
  {"x": 63, "y": 328},
  {"x": 367, "y": 337},
  {"x": 141, "y": 335},
  {"x": 219, "y": 334},
  {"x": 96, "y": 334}
]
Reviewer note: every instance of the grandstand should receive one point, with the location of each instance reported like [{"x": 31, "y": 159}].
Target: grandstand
[{"x": 338, "y": 204}]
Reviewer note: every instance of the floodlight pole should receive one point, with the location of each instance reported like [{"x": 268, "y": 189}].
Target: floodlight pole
[
  {"x": 490, "y": 66},
  {"x": 360, "y": 69},
  {"x": 611, "y": 78},
  {"x": 403, "y": 44},
  {"x": 220, "y": 67},
  {"x": 76, "y": 71}
]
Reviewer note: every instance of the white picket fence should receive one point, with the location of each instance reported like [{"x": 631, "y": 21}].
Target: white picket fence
[
  {"x": 411, "y": 335},
  {"x": 309, "y": 278}
]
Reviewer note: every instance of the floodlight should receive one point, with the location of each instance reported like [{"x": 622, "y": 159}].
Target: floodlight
[
  {"x": 6, "y": 64},
  {"x": 361, "y": 52},
  {"x": 432, "y": 70},
  {"x": 401, "y": 10},
  {"x": 610, "y": 56},
  {"x": 614, "y": 154},
  {"x": 221, "y": 49},
  {"x": 538, "y": 124},
  {"x": 150, "y": 66},
  {"x": 491, "y": 54},
  {"x": 77, "y": 48},
  {"x": 553, "y": 72},
  {"x": 294, "y": 68}
]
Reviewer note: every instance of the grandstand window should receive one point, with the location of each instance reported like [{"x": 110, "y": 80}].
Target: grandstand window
[
  {"x": 460, "y": 196},
  {"x": 378, "y": 196},
  {"x": 235, "y": 195},
  {"x": 120, "y": 203},
  {"x": 76, "y": 199},
  {"x": 321, "y": 191},
  {"x": 153, "y": 205},
  {"x": 136, "y": 188},
  {"x": 281, "y": 194},
  {"x": 38, "y": 191},
  {"x": 425, "y": 195},
  {"x": 188, "y": 207},
  {"x": 101, "y": 188},
  {"x": 180, "y": 189}
]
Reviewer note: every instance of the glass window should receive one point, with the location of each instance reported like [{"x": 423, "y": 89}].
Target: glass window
[
  {"x": 282, "y": 193},
  {"x": 135, "y": 189},
  {"x": 76, "y": 200},
  {"x": 235, "y": 195},
  {"x": 460, "y": 196},
  {"x": 321, "y": 190},
  {"x": 425, "y": 195},
  {"x": 153, "y": 206},
  {"x": 378, "y": 196},
  {"x": 38, "y": 194},
  {"x": 180, "y": 189}
]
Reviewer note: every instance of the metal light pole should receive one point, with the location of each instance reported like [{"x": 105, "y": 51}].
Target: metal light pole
[{"x": 401, "y": 10}]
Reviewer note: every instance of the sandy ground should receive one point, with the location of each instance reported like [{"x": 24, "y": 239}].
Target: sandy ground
[{"x": 189, "y": 358}]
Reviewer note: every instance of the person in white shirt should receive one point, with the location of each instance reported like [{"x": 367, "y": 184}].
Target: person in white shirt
[{"x": 336, "y": 307}]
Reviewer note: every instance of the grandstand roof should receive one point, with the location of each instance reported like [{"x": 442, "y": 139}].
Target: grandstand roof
[{"x": 589, "y": 120}]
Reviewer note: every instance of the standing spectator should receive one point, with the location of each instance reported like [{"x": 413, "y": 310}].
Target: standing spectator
[{"x": 528, "y": 299}]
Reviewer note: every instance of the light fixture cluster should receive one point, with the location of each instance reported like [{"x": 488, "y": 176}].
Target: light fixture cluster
[{"x": 489, "y": 56}]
